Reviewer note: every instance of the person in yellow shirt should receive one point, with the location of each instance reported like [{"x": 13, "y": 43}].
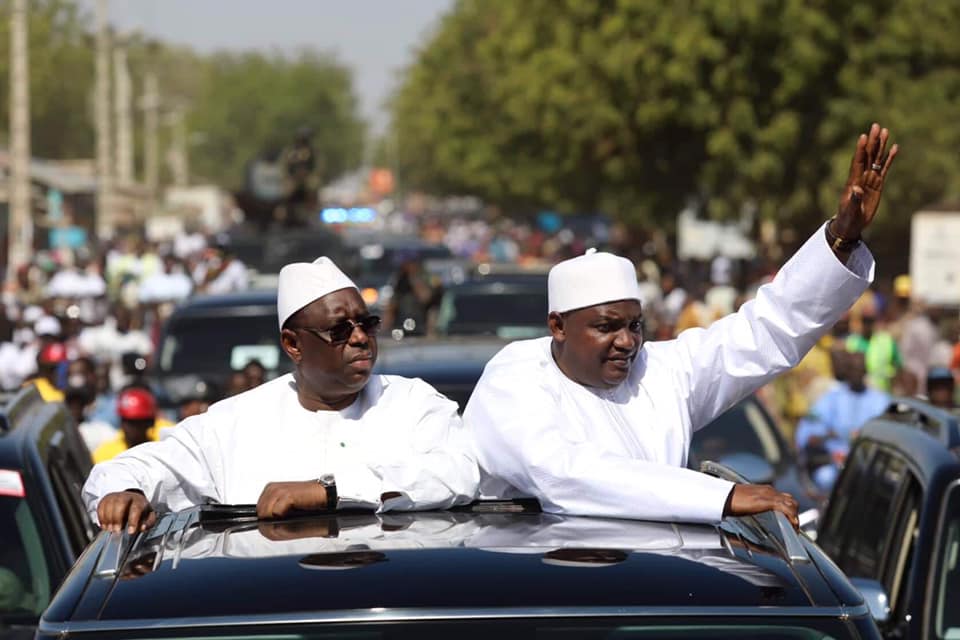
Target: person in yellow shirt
[
  {"x": 49, "y": 361},
  {"x": 137, "y": 409}
]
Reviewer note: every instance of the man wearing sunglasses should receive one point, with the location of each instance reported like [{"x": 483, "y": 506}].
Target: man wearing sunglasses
[
  {"x": 594, "y": 422},
  {"x": 330, "y": 435}
]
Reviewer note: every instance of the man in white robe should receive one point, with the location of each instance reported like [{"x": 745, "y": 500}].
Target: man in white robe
[
  {"x": 590, "y": 423},
  {"x": 329, "y": 435}
]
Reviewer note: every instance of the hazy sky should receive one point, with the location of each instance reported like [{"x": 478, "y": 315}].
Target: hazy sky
[{"x": 376, "y": 38}]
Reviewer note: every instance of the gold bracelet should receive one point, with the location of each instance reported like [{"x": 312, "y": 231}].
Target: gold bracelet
[{"x": 837, "y": 243}]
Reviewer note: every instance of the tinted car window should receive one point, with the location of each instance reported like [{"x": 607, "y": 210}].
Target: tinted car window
[
  {"x": 743, "y": 429},
  {"x": 510, "y": 313},
  {"x": 196, "y": 345},
  {"x": 904, "y": 526},
  {"x": 843, "y": 514},
  {"x": 865, "y": 549},
  {"x": 25, "y": 579},
  {"x": 946, "y": 595}
]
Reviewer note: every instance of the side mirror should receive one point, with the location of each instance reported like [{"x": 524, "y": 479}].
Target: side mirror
[
  {"x": 750, "y": 466},
  {"x": 875, "y": 596}
]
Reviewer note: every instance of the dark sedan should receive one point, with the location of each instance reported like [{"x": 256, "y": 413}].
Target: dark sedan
[{"x": 489, "y": 570}]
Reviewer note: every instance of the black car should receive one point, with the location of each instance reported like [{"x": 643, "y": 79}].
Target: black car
[
  {"x": 210, "y": 336},
  {"x": 487, "y": 570},
  {"x": 893, "y": 520},
  {"x": 510, "y": 310},
  {"x": 452, "y": 366},
  {"x": 43, "y": 523}
]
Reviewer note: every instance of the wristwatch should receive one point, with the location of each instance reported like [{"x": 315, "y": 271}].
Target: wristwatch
[{"x": 329, "y": 484}]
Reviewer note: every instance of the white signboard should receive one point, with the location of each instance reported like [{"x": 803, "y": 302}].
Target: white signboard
[
  {"x": 706, "y": 239},
  {"x": 935, "y": 256}
]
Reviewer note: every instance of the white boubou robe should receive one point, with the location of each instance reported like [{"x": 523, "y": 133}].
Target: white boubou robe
[
  {"x": 400, "y": 435},
  {"x": 622, "y": 452}
]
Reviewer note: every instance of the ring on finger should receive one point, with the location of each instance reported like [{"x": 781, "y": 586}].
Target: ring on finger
[{"x": 876, "y": 166}]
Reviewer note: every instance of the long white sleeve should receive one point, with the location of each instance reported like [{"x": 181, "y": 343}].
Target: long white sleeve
[
  {"x": 716, "y": 367},
  {"x": 401, "y": 437},
  {"x": 518, "y": 441},
  {"x": 435, "y": 467},
  {"x": 174, "y": 473}
]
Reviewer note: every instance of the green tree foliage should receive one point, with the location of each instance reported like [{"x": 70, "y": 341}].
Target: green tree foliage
[
  {"x": 61, "y": 78},
  {"x": 633, "y": 106},
  {"x": 251, "y": 103}
]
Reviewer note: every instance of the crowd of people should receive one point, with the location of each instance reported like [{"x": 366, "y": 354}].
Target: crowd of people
[{"x": 83, "y": 325}]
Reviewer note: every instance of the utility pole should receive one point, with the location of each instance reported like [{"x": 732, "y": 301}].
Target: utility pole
[
  {"x": 20, "y": 230},
  {"x": 179, "y": 153},
  {"x": 151, "y": 139},
  {"x": 124, "y": 115},
  {"x": 105, "y": 198}
]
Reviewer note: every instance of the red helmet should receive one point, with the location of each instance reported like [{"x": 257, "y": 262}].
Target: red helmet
[
  {"x": 53, "y": 353},
  {"x": 136, "y": 404}
]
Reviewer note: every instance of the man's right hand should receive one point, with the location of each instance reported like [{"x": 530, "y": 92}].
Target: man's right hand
[
  {"x": 751, "y": 499},
  {"x": 126, "y": 508}
]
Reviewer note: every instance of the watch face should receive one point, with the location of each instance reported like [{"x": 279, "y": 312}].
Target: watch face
[{"x": 327, "y": 479}]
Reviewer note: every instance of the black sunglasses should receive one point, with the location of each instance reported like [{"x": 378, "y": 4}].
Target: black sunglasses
[{"x": 341, "y": 332}]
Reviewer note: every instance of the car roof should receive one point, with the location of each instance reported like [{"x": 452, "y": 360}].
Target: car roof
[
  {"x": 220, "y": 565},
  {"x": 15, "y": 431},
  {"x": 203, "y": 304},
  {"x": 923, "y": 441},
  {"x": 491, "y": 285},
  {"x": 415, "y": 355}
]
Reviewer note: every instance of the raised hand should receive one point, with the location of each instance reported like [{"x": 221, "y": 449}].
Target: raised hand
[{"x": 868, "y": 173}]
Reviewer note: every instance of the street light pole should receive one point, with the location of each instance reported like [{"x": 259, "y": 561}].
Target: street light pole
[
  {"x": 103, "y": 128},
  {"x": 151, "y": 139},
  {"x": 124, "y": 115},
  {"x": 20, "y": 230}
]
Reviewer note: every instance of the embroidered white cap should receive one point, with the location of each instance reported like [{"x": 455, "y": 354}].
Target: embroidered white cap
[
  {"x": 594, "y": 278},
  {"x": 300, "y": 283}
]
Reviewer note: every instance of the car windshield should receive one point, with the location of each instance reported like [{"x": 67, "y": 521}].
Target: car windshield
[
  {"x": 745, "y": 428},
  {"x": 511, "y": 313},
  {"x": 25, "y": 580},
  {"x": 198, "y": 345},
  {"x": 374, "y": 264},
  {"x": 947, "y": 595}
]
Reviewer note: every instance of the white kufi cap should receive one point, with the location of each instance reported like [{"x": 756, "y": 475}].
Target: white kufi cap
[
  {"x": 300, "y": 283},
  {"x": 591, "y": 279}
]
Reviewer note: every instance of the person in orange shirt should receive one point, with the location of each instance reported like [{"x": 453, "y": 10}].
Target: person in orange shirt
[{"x": 137, "y": 409}]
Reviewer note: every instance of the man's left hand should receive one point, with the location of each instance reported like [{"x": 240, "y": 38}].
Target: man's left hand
[
  {"x": 868, "y": 173},
  {"x": 280, "y": 498}
]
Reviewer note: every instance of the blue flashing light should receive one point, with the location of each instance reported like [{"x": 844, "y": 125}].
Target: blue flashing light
[{"x": 339, "y": 215}]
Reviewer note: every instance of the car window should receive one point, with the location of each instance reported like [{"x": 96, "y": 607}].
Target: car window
[
  {"x": 745, "y": 428},
  {"x": 67, "y": 482},
  {"x": 903, "y": 528},
  {"x": 509, "y": 314},
  {"x": 25, "y": 579},
  {"x": 864, "y": 549},
  {"x": 946, "y": 618},
  {"x": 209, "y": 344},
  {"x": 841, "y": 520}
]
